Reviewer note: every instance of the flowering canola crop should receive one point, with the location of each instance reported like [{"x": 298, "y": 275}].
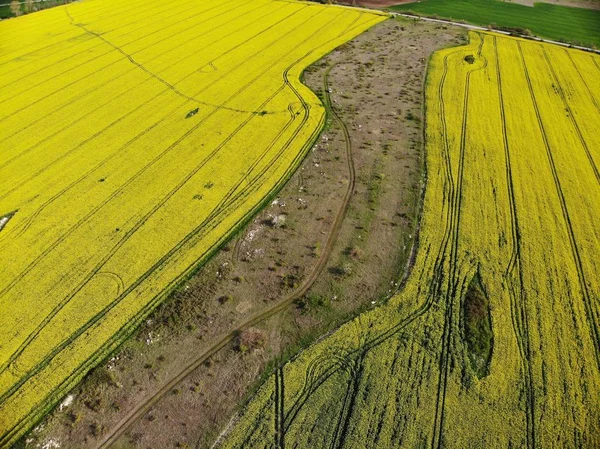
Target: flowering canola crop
[
  {"x": 511, "y": 217},
  {"x": 135, "y": 138}
]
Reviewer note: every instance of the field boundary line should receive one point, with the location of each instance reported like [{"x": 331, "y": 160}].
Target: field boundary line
[{"x": 492, "y": 30}]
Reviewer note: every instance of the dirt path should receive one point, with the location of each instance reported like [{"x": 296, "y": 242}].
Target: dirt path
[{"x": 142, "y": 408}]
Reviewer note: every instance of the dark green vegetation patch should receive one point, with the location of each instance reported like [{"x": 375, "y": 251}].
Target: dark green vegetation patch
[{"x": 478, "y": 327}]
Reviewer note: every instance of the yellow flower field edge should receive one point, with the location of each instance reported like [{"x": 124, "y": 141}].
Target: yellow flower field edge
[
  {"x": 136, "y": 139},
  {"x": 510, "y": 237}
]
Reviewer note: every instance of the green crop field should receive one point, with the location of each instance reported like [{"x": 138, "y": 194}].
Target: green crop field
[{"x": 549, "y": 21}]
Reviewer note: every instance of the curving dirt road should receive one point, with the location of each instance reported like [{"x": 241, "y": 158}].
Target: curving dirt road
[{"x": 142, "y": 408}]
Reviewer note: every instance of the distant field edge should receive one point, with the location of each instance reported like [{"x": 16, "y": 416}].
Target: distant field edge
[{"x": 575, "y": 26}]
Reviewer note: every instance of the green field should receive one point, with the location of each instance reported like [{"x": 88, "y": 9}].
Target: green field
[
  {"x": 6, "y": 13},
  {"x": 575, "y": 25}
]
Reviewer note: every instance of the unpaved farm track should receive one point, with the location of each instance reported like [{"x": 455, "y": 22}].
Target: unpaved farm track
[{"x": 143, "y": 407}]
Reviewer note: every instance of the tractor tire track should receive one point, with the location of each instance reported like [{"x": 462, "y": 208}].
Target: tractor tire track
[
  {"x": 453, "y": 281},
  {"x": 587, "y": 300},
  {"x": 136, "y": 176},
  {"x": 347, "y": 410},
  {"x": 124, "y": 239},
  {"x": 595, "y": 61},
  {"x": 519, "y": 314},
  {"x": 570, "y": 114},
  {"x": 583, "y": 81},
  {"x": 279, "y": 409},
  {"x": 317, "y": 373}
]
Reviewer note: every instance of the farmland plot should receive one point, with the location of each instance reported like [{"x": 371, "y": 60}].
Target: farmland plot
[
  {"x": 135, "y": 138},
  {"x": 551, "y": 21},
  {"x": 494, "y": 340}
]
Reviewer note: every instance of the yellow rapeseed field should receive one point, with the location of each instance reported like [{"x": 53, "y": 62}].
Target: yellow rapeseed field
[
  {"x": 135, "y": 137},
  {"x": 508, "y": 252}
]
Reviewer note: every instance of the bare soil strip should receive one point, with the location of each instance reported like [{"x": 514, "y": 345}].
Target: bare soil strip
[{"x": 136, "y": 413}]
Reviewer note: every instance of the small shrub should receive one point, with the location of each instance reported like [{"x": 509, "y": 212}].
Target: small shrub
[
  {"x": 96, "y": 429},
  {"x": 94, "y": 404},
  {"x": 15, "y": 8},
  {"x": 225, "y": 299},
  {"x": 250, "y": 339},
  {"x": 289, "y": 281},
  {"x": 74, "y": 417}
]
